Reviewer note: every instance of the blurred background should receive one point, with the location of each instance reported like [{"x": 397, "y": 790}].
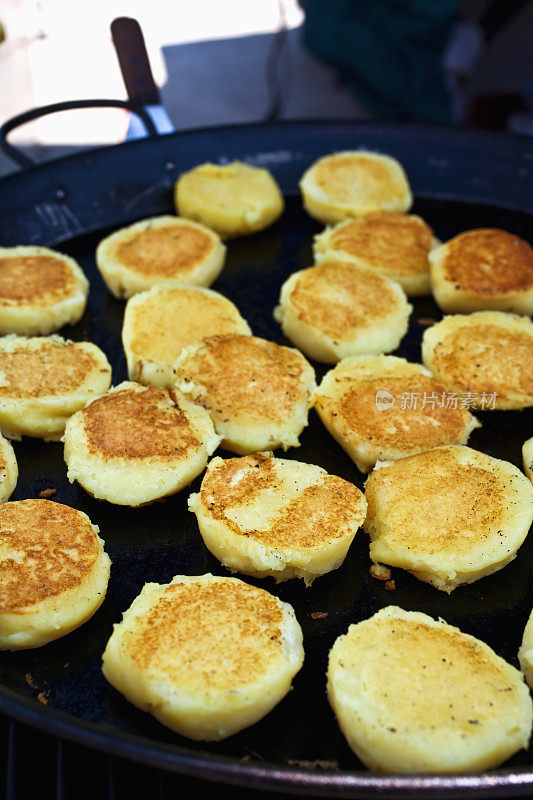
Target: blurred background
[{"x": 217, "y": 62}]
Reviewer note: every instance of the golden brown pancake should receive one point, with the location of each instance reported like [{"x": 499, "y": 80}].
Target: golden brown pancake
[
  {"x": 415, "y": 695},
  {"x": 159, "y": 250},
  {"x": 54, "y": 572},
  {"x": 159, "y": 323},
  {"x": 233, "y": 199},
  {"x": 207, "y": 656},
  {"x": 382, "y": 407},
  {"x": 483, "y": 269},
  {"x": 43, "y": 380},
  {"x": 270, "y": 516},
  {"x": 40, "y": 290},
  {"x": 393, "y": 244},
  {"x": 258, "y": 393},
  {"x": 351, "y": 184},
  {"x": 137, "y": 444},
  {"x": 450, "y": 515},
  {"x": 337, "y": 309},
  {"x": 36, "y": 279},
  {"x": 487, "y": 355}
]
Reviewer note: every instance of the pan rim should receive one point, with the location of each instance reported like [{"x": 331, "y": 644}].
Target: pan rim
[{"x": 261, "y": 775}]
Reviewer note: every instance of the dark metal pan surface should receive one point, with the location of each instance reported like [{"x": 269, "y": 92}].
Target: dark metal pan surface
[{"x": 461, "y": 180}]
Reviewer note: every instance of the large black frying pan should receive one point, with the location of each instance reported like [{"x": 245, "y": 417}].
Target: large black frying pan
[{"x": 461, "y": 179}]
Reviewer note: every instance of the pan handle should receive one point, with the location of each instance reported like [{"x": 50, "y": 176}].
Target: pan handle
[
  {"x": 133, "y": 60},
  {"x": 35, "y": 113}
]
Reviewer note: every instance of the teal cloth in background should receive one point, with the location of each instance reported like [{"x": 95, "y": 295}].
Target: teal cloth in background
[{"x": 390, "y": 50}]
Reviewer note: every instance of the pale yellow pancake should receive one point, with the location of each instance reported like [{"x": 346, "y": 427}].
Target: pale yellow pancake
[
  {"x": 8, "y": 469},
  {"x": 525, "y": 653},
  {"x": 415, "y": 695},
  {"x": 159, "y": 323},
  {"x": 233, "y": 199},
  {"x": 207, "y": 656},
  {"x": 527, "y": 456}
]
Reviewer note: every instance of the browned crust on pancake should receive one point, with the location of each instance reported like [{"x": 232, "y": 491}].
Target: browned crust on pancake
[
  {"x": 458, "y": 506},
  {"x": 319, "y": 514},
  {"x": 340, "y": 298},
  {"x": 131, "y": 424},
  {"x": 387, "y": 240},
  {"x": 486, "y": 358},
  {"x": 167, "y": 251},
  {"x": 218, "y": 491},
  {"x": 238, "y": 374},
  {"x": 415, "y": 428},
  {"x": 343, "y": 177},
  {"x": 34, "y": 280},
  {"x": 46, "y": 549},
  {"x": 209, "y": 635},
  {"x": 52, "y": 369},
  {"x": 489, "y": 262}
]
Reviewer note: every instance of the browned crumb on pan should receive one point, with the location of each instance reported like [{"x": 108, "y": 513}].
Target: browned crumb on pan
[
  {"x": 42, "y": 697},
  {"x": 380, "y": 572},
  {"x": 29, "y": 680},
  {"x": 426, "y": 321},
  {"x": 319, "y": 614},
  {"x": 390, "y": 585},
  {"x": 46, "y": 493}
]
